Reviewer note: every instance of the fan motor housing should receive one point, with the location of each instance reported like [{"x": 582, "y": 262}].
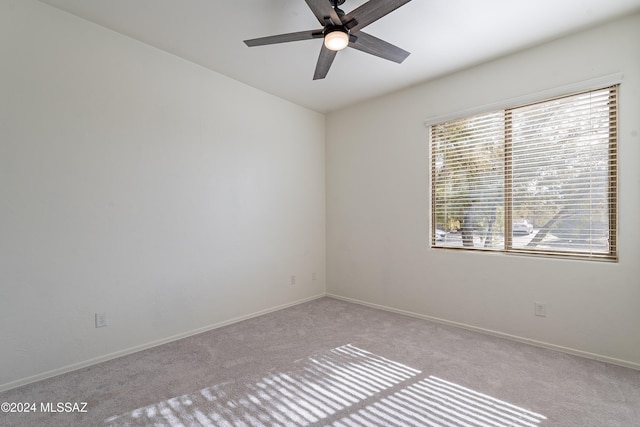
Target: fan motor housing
[{"x": 331, "y": 28}]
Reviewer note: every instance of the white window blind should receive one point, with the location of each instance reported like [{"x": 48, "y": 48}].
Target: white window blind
[{"x": 537, "y": 179}]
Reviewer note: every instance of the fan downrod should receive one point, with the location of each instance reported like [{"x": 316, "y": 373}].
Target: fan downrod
[{"x": 335, "y": 4}]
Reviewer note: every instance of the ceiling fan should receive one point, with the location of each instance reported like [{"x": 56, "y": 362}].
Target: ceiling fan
[{"x": 341, "y": 30}]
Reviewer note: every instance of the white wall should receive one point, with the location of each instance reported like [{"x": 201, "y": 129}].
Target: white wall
[
  {"x": 139, "y": 184},
  {"x": 378, "y": 208}
]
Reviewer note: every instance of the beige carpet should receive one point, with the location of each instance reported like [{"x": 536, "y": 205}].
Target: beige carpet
[{"x": 329, "y": 362}]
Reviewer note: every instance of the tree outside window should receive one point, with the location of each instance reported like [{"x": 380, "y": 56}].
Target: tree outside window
[{"x": 539, "y": 178}]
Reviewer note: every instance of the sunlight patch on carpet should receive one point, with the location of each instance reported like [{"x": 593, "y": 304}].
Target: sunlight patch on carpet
[
  {"x": 346, "y": 386},
  {"x": 436, "y": 402}
]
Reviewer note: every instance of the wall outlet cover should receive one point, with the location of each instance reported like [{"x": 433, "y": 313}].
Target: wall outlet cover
[
  {"x": 101, "y": 320},
  {"x": 540, "y": 309}
]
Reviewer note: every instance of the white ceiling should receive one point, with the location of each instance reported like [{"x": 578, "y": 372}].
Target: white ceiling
[{"x": 442, "y": 35}]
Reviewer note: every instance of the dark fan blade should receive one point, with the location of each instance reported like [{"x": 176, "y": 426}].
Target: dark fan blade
[
  {"x": 371, "y": 11},
  {"x": 283, "y": 38},
  {"x": 324, "y": 63},
  {"x": 373, "y": 45},
  {"x": 323, "y": 10}
]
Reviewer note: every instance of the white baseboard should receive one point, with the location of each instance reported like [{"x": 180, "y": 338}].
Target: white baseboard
[
  {"x": 135, "y": 349},
  {"x": 562, "y": 349}
]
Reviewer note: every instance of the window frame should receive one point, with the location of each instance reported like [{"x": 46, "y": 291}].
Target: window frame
[{"x": 613, "y": 83}]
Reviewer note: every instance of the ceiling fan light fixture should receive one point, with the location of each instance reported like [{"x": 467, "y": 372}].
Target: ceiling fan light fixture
[{"x": 336, "y": 39}]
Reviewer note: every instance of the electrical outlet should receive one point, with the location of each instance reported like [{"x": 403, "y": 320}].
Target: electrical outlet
[
  {"x": 540, "y": 309},
  {"x": 101, "y": 320},
  {"x": 293, "y": 280},
  {"x": 313, "y": 276}
]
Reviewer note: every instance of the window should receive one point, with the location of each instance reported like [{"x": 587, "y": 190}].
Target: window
[{"x": 536, "y": 179}]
